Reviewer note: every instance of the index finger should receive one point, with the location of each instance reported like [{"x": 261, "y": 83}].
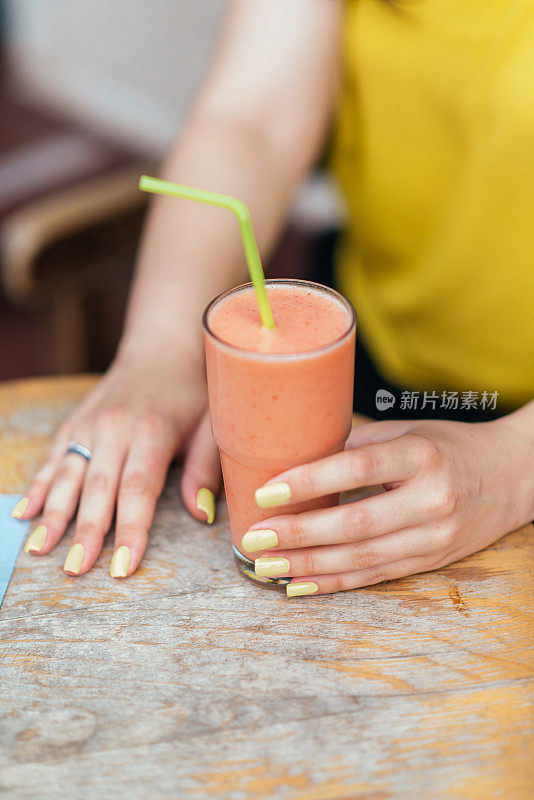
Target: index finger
[
  {"x": 385, "y": 462},
  {"x": 43, "y": 478}
]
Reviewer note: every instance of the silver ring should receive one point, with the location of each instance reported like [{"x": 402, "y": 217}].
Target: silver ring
[{"x": 80, "y": 450}]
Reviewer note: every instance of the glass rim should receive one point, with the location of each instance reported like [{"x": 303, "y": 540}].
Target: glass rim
[{"x": 282, "y": 356}]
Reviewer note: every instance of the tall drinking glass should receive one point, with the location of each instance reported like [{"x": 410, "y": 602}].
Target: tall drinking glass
[{"x": 277, "y": 398}]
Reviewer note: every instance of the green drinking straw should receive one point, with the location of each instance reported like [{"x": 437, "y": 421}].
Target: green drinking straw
[{"x": 157, "y": 186}]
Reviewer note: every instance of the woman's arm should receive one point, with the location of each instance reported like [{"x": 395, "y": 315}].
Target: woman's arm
[{"x": 255, "y": 129}]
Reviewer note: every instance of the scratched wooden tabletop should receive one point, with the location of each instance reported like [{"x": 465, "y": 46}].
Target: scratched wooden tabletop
[{"x": 186, "y": 681}]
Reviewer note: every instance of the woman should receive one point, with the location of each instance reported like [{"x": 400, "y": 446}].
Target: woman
[{"x": 432, "y": 104}]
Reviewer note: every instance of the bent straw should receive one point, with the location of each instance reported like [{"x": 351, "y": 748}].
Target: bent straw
[{"x": 157, "y": 186}]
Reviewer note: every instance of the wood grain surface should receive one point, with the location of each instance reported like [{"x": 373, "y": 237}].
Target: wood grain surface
[{"x": 186, "y": 681}]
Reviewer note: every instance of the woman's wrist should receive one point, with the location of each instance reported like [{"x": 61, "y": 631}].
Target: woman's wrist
[
  {"x": 522, "y": 422},
  {"x": 174, "y": 381},
  {"x": 180, "y": 360},
  {"x": 515, "y": 439}
]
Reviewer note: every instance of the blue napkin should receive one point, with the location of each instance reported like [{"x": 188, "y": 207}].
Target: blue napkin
[{"x": 12, "y": 535}]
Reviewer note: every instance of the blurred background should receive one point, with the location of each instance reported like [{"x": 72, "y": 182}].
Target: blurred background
[{"x": 91, "y": 95}]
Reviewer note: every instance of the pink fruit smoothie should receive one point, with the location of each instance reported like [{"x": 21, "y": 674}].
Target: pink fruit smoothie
[{"x": 278, "y": 398}]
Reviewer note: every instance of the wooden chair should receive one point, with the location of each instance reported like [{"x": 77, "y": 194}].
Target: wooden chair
[
  {"x": 70, "y": 217},
  {"x": 69, "y": 251}
]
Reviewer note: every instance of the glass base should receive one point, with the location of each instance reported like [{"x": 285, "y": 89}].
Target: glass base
[{"x": 246, "y": 567}]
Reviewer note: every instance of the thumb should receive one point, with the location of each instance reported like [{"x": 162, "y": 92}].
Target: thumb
[
  {"x": 374, "y": 432},
  {"x": 201, "y": 478}
]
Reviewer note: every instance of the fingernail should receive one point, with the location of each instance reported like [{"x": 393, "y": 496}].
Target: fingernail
[
  {"x": 273, "y": 494},
  {"x": 36, "y": 540},
  {"x": 206, "y": 503},
  {"x": 73, "y": 562},
  {"x": 120, "y": 562},
  {"x": 20, "y": 508},
  {"x": 267, "y": 567},
  {"x": 259, "y": 540},
  {"x": 299, "y": 589}
]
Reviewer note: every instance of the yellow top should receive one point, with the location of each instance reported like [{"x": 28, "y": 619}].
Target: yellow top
[{"x": 434, "y": 150}]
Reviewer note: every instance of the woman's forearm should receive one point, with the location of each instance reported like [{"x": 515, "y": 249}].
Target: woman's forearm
[
  {"x": 256, "y": 129},
  {"x": 523, "y": 420},
  {"x": 192, "y": 252}
]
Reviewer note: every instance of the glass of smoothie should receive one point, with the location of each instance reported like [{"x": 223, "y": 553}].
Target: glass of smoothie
[{"x": 278, "y": 398}]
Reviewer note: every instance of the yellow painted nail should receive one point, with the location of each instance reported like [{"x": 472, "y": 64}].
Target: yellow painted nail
[
  {"x": 268, "y": 567},
  {"x": 120, "y": 562},
  {"x": 20, "y": 508},
  {"x": 36, "y": 540},
  {"x": 299, "y": 589},
  {"x": 273, "y": 494},
  {"x": 206, "y": 503},
  {"x": 73, "y": 562},
  {"x": 259, "y": 540}
]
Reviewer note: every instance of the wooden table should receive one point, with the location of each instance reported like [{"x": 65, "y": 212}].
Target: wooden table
[{"x": 186, "y": 681}]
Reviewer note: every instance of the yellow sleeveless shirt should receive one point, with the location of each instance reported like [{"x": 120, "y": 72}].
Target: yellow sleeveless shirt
[{"x": 434, "y": 150}]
